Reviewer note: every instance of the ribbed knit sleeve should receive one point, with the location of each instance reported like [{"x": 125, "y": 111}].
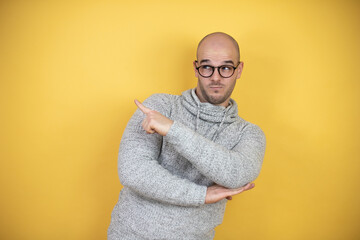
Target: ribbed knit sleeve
[
  {"x": 138, "y": 165},
  {"x": 229, "y": 168}
]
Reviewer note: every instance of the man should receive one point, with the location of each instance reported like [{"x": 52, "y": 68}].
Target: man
[{"x": 182, "y": 157}]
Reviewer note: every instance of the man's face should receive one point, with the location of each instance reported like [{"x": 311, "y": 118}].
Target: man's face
[{"x": 217, "y": 89}]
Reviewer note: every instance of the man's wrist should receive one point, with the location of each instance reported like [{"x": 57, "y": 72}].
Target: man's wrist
[{"x": 172, "y": 128}]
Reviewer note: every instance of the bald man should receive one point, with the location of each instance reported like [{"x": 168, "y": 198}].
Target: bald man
[{"x": 182, "y": 157}]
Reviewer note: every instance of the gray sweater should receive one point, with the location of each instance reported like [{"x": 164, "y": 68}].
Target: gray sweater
[{"x": 165, "y": 178}]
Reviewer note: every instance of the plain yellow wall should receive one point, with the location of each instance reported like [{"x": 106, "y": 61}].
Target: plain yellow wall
[{"x": 71, "y": 69}]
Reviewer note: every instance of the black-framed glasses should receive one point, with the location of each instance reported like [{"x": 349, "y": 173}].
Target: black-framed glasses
[{"x": 225, "y": 71}]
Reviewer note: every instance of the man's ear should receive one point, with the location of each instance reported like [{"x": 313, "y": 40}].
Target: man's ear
[
  {"x": 239, "y": 70},
  {"x": 196, "y": 72}
]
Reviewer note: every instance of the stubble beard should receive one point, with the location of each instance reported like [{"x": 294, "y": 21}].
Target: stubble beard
[{"x": 216, "y": 100}]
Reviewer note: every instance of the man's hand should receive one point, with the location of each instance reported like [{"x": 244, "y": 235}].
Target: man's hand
[
  {"x": 216, "y": 192},
  {"x": 154, "y": 121}
]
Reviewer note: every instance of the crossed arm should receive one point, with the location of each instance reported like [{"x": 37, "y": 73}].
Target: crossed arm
[{"x": 231, "y": 181}]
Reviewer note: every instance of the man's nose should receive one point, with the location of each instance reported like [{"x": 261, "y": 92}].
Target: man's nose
[{"x": 216, "y": 76}]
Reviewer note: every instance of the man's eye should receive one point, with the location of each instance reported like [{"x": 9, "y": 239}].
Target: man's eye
[
  {"x": 206, "y": 67},
  {"x": 226, "y": 68}
]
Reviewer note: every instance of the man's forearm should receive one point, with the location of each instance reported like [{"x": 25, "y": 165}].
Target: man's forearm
[
  {"x": 151, "y": 180},
  {"x": 230, "y": 168}
]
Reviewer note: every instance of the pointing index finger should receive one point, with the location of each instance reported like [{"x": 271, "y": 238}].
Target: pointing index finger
[{"x": 142, "y": 107}]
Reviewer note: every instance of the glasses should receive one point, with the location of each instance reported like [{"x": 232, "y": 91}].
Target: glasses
[{"x": 225, "y": 71}]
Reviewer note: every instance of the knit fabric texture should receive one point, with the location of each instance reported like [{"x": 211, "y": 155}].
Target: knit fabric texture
[{"x": 165, "y": 179}]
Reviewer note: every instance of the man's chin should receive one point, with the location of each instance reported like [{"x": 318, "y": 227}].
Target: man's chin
[{"x": 216, "y": 101}]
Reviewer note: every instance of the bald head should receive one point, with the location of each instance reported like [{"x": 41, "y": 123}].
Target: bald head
[{"x": 218, "y": 40}]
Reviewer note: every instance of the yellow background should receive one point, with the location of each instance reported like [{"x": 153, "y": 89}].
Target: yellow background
[{"x": 71, "y": 69}]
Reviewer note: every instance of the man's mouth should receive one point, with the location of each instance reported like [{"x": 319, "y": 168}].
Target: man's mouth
[{"x": 215, "y": 86}]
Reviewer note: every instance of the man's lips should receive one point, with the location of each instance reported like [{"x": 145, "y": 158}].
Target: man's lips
[{"x": 215, "y": 86}]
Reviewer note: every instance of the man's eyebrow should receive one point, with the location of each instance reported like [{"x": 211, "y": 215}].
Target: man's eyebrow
[
  {"x": 207, "y": 60},
  {"x": 229, "y": 61},
  {"x": 204, "y": 60}
]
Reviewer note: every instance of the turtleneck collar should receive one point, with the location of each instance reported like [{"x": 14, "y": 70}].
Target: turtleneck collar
[{"x": 209, "y": 112}]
